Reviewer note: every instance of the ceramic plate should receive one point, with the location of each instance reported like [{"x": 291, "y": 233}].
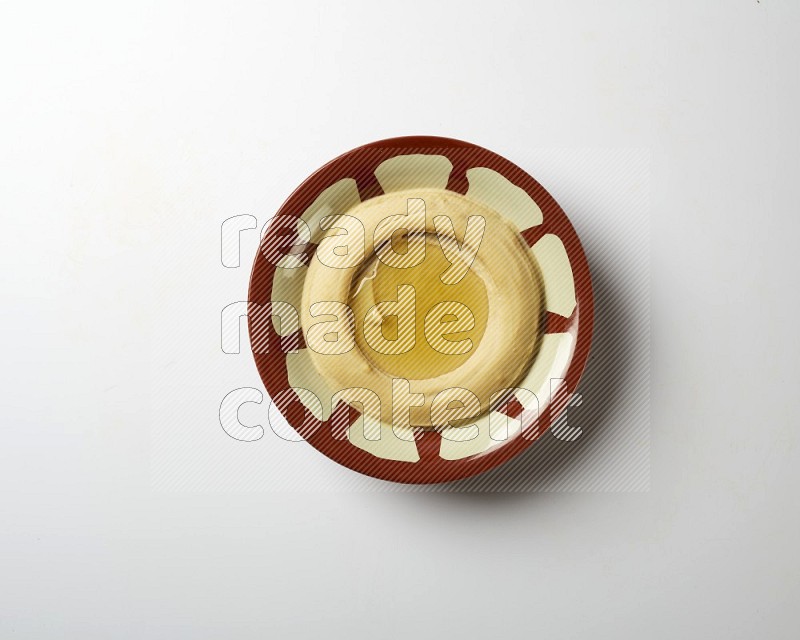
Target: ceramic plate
[{"x": 420, "y": 310}]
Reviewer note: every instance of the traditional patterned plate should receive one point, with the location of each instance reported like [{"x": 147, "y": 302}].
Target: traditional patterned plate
[{"x": 499, "y": 337}]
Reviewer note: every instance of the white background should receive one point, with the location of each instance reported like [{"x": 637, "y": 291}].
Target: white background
[{"x": 125, "y": 128}]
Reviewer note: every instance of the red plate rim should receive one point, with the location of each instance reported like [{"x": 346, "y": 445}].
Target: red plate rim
[{"x": 360, "y": 164}]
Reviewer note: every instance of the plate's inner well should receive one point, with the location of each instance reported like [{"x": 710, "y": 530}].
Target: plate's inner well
[{"x": 433, "y": 290}]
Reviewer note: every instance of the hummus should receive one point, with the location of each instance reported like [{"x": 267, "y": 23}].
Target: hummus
[{"x": 428, "y": 300}]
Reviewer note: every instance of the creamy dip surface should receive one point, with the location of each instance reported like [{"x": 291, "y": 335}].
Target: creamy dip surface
[{"x": 421, "y": 307}]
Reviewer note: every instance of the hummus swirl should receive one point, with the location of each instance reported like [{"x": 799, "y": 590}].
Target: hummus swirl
[{"x": 497, "y": 360}]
